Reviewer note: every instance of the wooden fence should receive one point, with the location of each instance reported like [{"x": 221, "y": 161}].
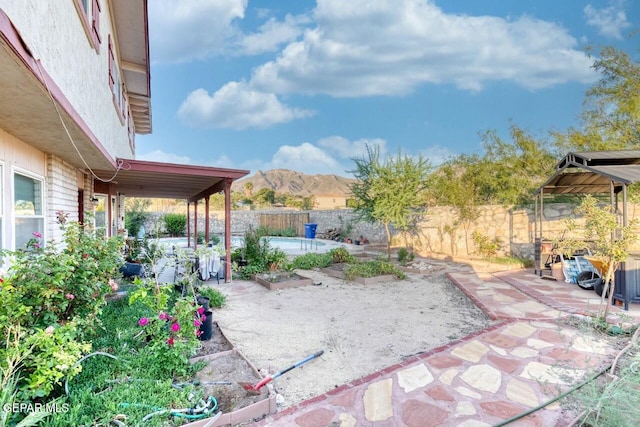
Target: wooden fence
[{"x": 280, "y": 221}]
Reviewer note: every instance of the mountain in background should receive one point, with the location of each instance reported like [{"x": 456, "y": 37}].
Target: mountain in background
[{"x": 286, "y": 181}]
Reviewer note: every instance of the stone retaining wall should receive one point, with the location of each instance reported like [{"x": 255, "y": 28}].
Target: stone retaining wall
[{"x": 439, "y": 233}]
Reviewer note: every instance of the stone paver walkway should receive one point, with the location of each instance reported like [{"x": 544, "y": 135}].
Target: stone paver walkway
[{"x": 483, "y": 379}]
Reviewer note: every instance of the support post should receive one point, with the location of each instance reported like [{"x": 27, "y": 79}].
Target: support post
[{"x": 227, "y": 229}]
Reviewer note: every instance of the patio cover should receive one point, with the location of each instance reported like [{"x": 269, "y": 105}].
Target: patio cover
[
  {"x": 139, "y": 178},
  {"x": 592, "y": 172}
]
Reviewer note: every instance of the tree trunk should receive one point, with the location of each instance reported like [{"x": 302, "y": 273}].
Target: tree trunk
[
  {"x": 609, "y": 287},
  {"x": 386, "y": 228}
]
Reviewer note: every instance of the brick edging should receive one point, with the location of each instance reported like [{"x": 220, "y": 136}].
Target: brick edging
[{"x": 388, "y": 370}]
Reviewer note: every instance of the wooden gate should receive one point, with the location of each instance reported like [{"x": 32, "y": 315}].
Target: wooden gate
[{"x": 280, "y": 221}]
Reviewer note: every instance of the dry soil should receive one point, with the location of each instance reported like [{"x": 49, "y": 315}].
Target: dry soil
[{"x": 361, "y": 328}]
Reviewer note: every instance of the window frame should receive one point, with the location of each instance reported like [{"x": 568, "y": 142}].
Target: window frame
[
  {"x": 43, "y": 200},
  {"x": 90, "y": 20},
  {"x": 116, "y": 84}
]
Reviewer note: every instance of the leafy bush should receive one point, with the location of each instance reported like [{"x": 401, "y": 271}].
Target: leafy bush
[
  {"x": 486, "y": 246},
  {"x": 372, "y": 269},
  {"x": 175, "y": 224},
  {"x": 216, "y": 298},
  {"x": 341, "y": 254},
  {"x": 311, "y": 260},
  {"x": 405, "y": 256},
  {"x": 55, "y": 295},
  {"x": 135, "y": 216}
]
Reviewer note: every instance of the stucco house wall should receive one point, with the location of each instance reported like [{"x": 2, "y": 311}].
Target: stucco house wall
[{"x": 54, "y": 33}]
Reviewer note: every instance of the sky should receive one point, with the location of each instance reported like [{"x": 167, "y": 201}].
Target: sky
[{"x": 307, "y": 85}]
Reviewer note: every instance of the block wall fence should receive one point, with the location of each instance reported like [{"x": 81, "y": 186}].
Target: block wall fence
[{"x": 514, "y": 227}]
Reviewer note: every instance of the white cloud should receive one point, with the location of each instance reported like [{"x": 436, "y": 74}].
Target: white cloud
[
  {"x": 164, "y": 157},
  {"x": 610, "y": 21},
  {"x": 272, "y": 34},
  {"x": 437, "y": 154},
  {"x": 389, "y": 47},
  {"x": 184, "y": 30},
  {"x": 236, "y": 106},
  {"x": 351, "y": 149},
  {"x": 305, "y": 157}
]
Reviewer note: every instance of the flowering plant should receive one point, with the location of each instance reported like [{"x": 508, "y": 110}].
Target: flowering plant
[
  {"x": 171, "y": 338},
  {"x": 54, "y": 294}
]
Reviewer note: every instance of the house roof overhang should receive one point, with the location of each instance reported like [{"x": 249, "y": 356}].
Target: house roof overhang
[
  {"x": 139, "y": 178},
  {"x": 132, "y": 30},
  {"x": 32, "y": 105}
]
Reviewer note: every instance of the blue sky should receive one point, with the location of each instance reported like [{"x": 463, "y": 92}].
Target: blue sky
[{"x": 305, "y": 85}]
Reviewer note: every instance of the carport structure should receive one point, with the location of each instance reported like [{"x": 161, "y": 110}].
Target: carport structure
[
  {"x": 138, "y": 178},
  {"x": 596, "y": 172}
]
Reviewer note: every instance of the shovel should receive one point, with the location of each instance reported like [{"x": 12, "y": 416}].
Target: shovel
[{"x": 255, "y": 389}]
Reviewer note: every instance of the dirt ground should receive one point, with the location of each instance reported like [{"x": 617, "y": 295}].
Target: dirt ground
[{"x": 361, "y": 328}]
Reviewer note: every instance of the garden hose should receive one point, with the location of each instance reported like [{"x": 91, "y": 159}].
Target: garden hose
[
  {"x": 201, "y": 410},
  {"x": 198, "y": 383},
  {"x": 611, "y": 366},
  {"x": 83, "y": 358}
]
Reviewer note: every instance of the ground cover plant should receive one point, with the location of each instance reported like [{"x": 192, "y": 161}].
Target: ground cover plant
[{"x": 150, "y": 353}]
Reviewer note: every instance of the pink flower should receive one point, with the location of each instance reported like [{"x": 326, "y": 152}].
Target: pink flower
[
  {"x": 197, "y": 323},
  {"x": 163, "y": 316},
  {"x": 175, "y": 327},
  {"x": 143, "y": 321},
  {"x": 200, "y": 310},
  {"x": 36, "y": 245},
  {"x": 170, "y": 341},
  {"x": 203, "y": 317},
  {"x": 70, "y": 296},
  {"x": 37, "y": 235},
  {"x": 198, "y": 332},
  {"x": 49, "y": 330}
]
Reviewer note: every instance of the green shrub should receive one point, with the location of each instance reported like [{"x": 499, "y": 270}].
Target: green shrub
[
  {"x": 486, "y": 246},
  {"x": 175, "y": 224},
  {"x": 310, "y": 260},
  {"x": 135, "y": 216},
  {"x": 372, "y": 269},
  {"x": 405, "y": 256},
  {"x": 341, "y": 254},
  {"x": 216, "y": 298},
  {"x": 55, "y": 295}
]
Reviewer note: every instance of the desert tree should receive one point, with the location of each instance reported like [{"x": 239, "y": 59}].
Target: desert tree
[{"x": 390, "y": 191}]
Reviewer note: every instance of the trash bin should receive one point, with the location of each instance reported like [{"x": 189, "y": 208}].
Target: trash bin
[
  {"x": 206, "y": 328},
  {"x": 310, "y": 230}
]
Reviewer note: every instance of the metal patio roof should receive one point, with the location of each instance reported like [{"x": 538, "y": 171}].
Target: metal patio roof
[{"x": 593, "y": 172}]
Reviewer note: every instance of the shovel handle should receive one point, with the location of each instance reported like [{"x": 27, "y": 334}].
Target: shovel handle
[
  {"x": 284, "y": 371},
  {"x": 302, "y": 362}
]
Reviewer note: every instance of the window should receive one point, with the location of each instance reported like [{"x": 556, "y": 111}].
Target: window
[
  {"x": 89, "y": 11},
  {"x": 114, "y": 81},
  {"x": 28, "y": 201}
]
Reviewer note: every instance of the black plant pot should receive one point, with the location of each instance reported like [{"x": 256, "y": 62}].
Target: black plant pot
[
  {"x": 204, "y": 302},
  {"x": 206, "y": 329}
]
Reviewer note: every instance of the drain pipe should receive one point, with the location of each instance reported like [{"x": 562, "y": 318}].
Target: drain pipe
[{"x": 611, "y": 366}]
